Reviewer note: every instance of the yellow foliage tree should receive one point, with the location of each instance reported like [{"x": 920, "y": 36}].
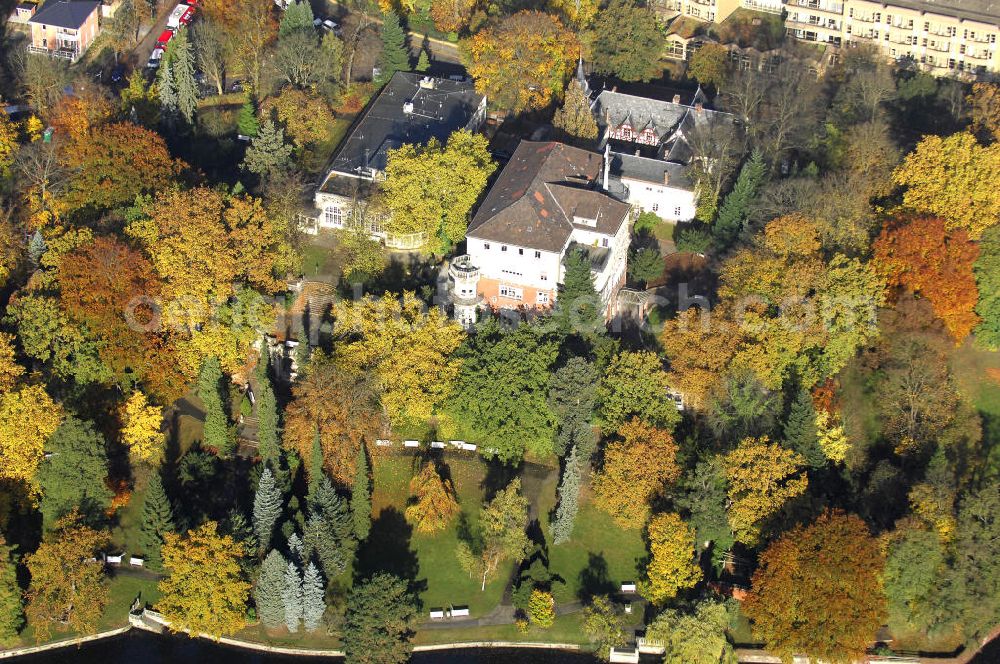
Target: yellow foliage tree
[
  {"x": 935, "y": 506},
  {"x": 205, "y": 591},
  {"x": 434, "y": 503},
  {"x": 699, "y": 346},
  {"x": 306, "y": 117},
  {"x": 141, "y": 429},
  {"x": 984, "y": 103},
  {"x": 10, "y": 370},
  {"x": 33, "y": 128},
  {"x": 8, "y": 144},
  {"x": 953, "y": 178},
  {"x": 541, "y": 609},
  {"x": 833, "y": 439},
  {"x": 762, "y": 476},
  {"x": 635, "y": 469},
  {"x": 28, "y": 416},
  {"x": 671, "y": 565},
  {"x": 407, "y": 349}
]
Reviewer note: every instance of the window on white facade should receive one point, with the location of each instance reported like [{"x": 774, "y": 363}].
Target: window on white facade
[
  {"x": 520, "y": 252},
  {"x": 656, "y": 207},
  {"x": 333, "y": 215},
  {"x": 542, "y": 298},
  {"x": 604, "y": 242},
  {"x": 677, "y": 212},
  {"x": 543, "y": 276},
  {"x": 503, "y": 247},
  {"x": 486, "y": 245},
  {"x": 538, "y": 254},
  {"x": 511, "y": 292}
]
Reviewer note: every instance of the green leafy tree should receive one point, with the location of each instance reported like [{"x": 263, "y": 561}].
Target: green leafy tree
[
  {"x": 694, "y": 637},
  {"x": 915, "y": 566},
  {"x": 268, "y": 152},
  {"x": 693, "y": 240},
  {"x": 395, "y": 55},
  {"x": 140, "y": 101},
  {"x": 500, "y": 394},
  {"x": 291, "y": 597},
  {"x": 976, "y": 572},
  {"x": 541, "y": 609},
  {"x": 987, "y": 271},
  {"x": 572, "y": 396},
  {"x": 574, "y": 118},
  {"x": 380, "y": 619},
  {"x": 635, "y": 385},
  {"x": 736, "y": 207},
  {"x": 800, "y": 432},
  {"x": 313, "y": 602},
  {"x": 266, "y": 509},
  {"x": 502, "y": 535},
  {"x": 627, "y": 41},
  {"x": 604, "y": 626},
  {"x": 216, "y": 430},
  {"x": 578, "y": 307},
  {"x": 157, "y": 520},
  {"x": 704, "y": 499},
  {"x": 73, "y": 474},
  {"x": 269, "y": 590},
  {"x": 569, "y": 496},
  {"x": 646, "y": 264},
  {"x": 361, "y": 498},
  {"x": 708, "y": 64},
  {"x": 297, "y": 16},
  {"x": 11, "y": 608},
  {"x": 246, "y": 122},
  {"x": 268, "y": 435}
]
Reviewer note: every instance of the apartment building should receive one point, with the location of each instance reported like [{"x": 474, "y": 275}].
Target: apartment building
[
  {"x": 946, "y": 38},
  {"x": 713, "y": 11}
]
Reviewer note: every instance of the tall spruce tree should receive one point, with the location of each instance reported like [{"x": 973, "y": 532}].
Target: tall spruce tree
[
  {"x": 297, "y": 16},
  {"x": 268, "y": 435},
  {"x": 574, "y": 118},
  {"x": 319, "y": 541},
  {"x": 11, "y": 608},
  {"x": 736, "y": 207},
  {"x": 572, "y": 395},
  {"x": 268, "y": 151},
  {"x": 182, "y": 66},
  {"x": 157, "y": 521},
  {"x": 291, "y": 597},
  {"x": 800, "y": 431},
  {"x": 326, "y": 502},
  {"x": 569, "y": 495},
  {"x": 578, "y": 307},
  {"x": 316, "y": 474},
  {"x": 246, "y": 122},
  {"x": 166, "y": 88},
  {"x": 268, "y": 593},
  {"x": 361, "y": 501},
  {"x": 266, "y": 509},
  {"x": 395, "y": 55},
  {"x": 313, "y": 603},
  {"x": 216, "y": 431},
  {"x": 295, "y": 547}
]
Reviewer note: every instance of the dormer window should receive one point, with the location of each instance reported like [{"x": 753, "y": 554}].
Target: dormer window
[{"x": 584, "y": 221}]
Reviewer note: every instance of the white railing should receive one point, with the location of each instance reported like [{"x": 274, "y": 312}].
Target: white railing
[
  {"x": 65, "y": 54},
  {"x": 406, "y": 241}
]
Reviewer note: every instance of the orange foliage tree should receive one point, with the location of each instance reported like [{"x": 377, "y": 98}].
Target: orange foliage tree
[
  {"x": 522, "y": 63},
  {"x": 818, "y": 591},
  {"x": 75, "y": 116},
  {"x": 922, "y": 255},
  {"x": 635, "y": 469},
  {"x": 699, "y": 346},
  {"x": 434, "y": 500},
  {"x": 341, "y": 407}
]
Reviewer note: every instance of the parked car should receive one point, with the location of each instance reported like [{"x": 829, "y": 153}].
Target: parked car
[
  {"x": 174, "y": 20},
  {"x": 187, "y": 16},
  {"x": 154, "y": 58},
  {"x": 117, "y": 74},
  {"x": 327, "y": 24},
  {"x": 164, "y": 38}
]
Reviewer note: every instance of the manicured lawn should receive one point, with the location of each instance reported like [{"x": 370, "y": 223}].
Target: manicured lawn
[
  {"x": 394, "y": 546},
  {"x": 566, "y": 629},
  {"x": 124, "y": 590}
]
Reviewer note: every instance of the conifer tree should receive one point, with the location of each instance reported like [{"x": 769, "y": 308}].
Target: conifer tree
[
  {"x": 268, "y": 437},
  {"x": 157, "y": 520},
  {"x": 266, "y": 509},
  {"x": 313, "y": 604},
  {"x": 326, "y": 502},
  {"x": 800, "y": 432},
  {"x": 182, "y": 68},
  {"x": 216, "y": 431},
  {"x": 295, "y": 547},
  {"x": 318, "y": 540},
  {"x": 316, "y": 474},
  {"x": 297, "y": 16},
  {"x": 572, "y": 396},
  {"x": 569, "y": 494},
  {"x": 361, "y": 502},
  {"x": 167, "y": 89},
  {"x": 578, "y": 308},
  {"x": 269, "y": 592},
  {"x": 268, "y": 151},
  {"x": 36, "y": 248},
  {"x": 246, "y": 122},
  {"x": 574, "y": 118},
  {"x": 11, "y": 608},
  {"x": 423, "y": 62},
  {"x": 395, "y": 55},
  {"x": 291, "y": 597},
  {"x": 736, "y": 207}
]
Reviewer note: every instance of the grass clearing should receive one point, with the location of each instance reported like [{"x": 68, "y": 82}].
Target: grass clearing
[{"x": 566, "y": 629}]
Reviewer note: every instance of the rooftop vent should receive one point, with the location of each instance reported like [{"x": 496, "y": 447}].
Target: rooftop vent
[
  {"x": 408, "y": 107},
  {"x": 428, "y": 82}
]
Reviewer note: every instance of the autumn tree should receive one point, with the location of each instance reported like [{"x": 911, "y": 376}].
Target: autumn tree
[
  {"x": 140, "y": 430},
  {"x": 921, "y": 255},
  {"x": 574, "y": 118},
  {"x": 205, "y": 591},
  {"x": 73, "y": 475},
  {"x": 117, "y": 162},
  {"x": 708, "y": 65},
  {"x": 636, "y": 385},
  {"x": 762, "y": 477},
  {"x": 431, "y": 189},
  {"x": 250, "y": 29},
  {"x": 500, "y": 394},
  {"x": 28, "y": 416},
  {"x": 951, "y": 178},
  {"x": 603, "y": 625},
  {"x": 636, "y": 469},
  {"x": 77, "y": 116},
  {"x": 699, "y": 346},
  {"x": 305, "y": 117},
  {"x": 522, "y": 63},
  {"x": 434, "y": 501},
  {"x": 68, "y": 589},
  {"x": 627, "y": 41},
  {"x": 11, "y": 607},
  {"x": 984, "y": 103},
  {"x": 541, "y": 609},
  {"x": 380, "y": 621},
  {"x": 697, "y": 636},
  {"x": 140, "y": 101},
  {"x": 408, "y": 350},
  {"x": 818, "y": 590},
  {"x": 501, "y": 535},
  {"x": 10, "y": 369},
  {"x": 672, "y": 565},
  {"x": 451, "y": 15},
  {"x": 342, "y": 407}
]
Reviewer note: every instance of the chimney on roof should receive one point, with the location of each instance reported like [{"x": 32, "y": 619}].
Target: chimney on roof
[
  {"x": 698, "y": 108},
  {"x": 607, "y": 164},
  {"x": 666, "y": 177},
  {"x": 408, "y": 107},
  {"x": 637, "y": 152},
  {"x": 677, "y": 99}
]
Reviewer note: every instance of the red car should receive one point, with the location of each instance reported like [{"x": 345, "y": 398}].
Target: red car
[
  {"x": 187, "y": 16},
  {"x": 165, "y": 37}
]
